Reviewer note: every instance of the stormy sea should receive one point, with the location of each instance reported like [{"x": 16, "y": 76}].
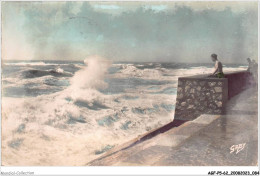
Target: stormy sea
[{"x": 71, "y": 112}]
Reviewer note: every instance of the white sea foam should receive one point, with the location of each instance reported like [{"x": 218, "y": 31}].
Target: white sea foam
[
  {"x": 26, "y": 63},
  {"x": 129, "y": 70},
  {"x": 59, "y": 70},
  {"x": 70, "y": 126},
  {"x": 34, "y": 64}
]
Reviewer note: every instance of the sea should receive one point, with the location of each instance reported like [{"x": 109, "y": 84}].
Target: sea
[{"x": 67, "y": 113}]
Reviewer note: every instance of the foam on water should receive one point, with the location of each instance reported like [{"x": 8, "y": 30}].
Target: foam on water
[{"x": 93, "y": 111}]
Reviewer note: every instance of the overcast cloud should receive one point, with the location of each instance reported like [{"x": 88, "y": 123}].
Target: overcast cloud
[{"x": 133, "y": 31}]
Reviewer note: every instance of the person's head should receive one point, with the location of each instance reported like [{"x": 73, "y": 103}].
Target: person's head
[
  {"x": 248, "y": 60},
  {"x": 214, "y": 57}
]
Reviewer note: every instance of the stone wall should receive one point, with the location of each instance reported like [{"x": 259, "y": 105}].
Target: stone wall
[
  {"x": 198, "y": 95},
  {"x": 239, "y": 81},
  {"x": 202, "y": 94}
]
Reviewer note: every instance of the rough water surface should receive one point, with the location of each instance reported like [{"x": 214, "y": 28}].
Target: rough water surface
[{"x": 68, "y": 112}]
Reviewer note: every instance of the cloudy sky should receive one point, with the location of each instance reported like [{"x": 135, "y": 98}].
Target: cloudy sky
[{"x": 129, "y": 31}]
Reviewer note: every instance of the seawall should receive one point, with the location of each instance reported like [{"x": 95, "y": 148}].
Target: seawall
[
  {"x": 164, "y": 141},
  {"x": 202, "y": 94}
]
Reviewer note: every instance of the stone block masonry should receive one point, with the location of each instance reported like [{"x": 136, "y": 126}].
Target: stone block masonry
[
  {"x": 198, "y": 95},
  {"x": 202, "y": 94}
]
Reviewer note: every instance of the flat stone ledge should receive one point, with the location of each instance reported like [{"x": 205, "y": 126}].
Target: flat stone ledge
[
  {"x": 170, "y": 139},
  {"x": 205, "y": 119}
]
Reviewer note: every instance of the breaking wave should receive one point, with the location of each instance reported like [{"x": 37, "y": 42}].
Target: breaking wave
[
  {"x": 39, "y": 73},
  {"x": 69, "y": 115}
]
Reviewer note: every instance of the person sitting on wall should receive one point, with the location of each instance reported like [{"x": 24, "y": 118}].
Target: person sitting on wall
[
  {"x": 250, "y": 65},
  {"x": 218, "y": 72},
  {"x": 254, "y": 70}
]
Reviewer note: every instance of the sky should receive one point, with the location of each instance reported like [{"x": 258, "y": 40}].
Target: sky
[{"x": 130, "y": 31}]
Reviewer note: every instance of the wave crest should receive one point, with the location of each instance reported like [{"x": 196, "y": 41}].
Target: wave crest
[
  {"x": 90, "y": 78},
  {"x": 39, "y": 73}
]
